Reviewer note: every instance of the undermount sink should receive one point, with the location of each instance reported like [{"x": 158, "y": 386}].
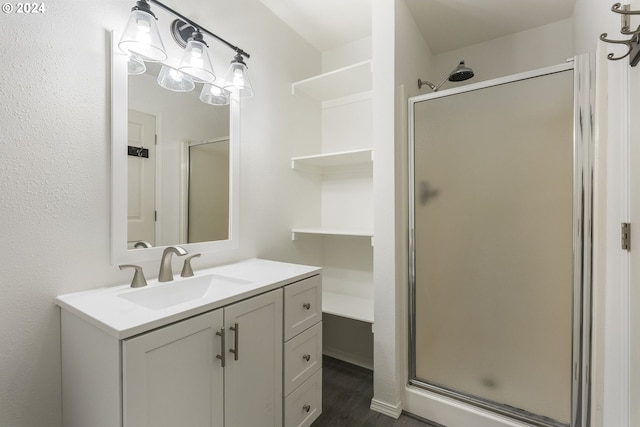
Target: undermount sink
[{"x": 163, "y": 295}]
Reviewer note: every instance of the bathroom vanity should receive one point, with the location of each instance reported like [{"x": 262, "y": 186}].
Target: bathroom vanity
[{"x": 236, "y": 345}]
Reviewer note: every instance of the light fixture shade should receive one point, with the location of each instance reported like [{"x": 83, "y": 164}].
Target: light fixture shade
[
  {"x": 135, "y": 65},
  {"x": 195, "y": 60},
  {"x": 214, "y": 95},
  {"x": 237, "y": 80},
  {"x": 172, "y": 79},
  {"x": 141, "y": 36}
]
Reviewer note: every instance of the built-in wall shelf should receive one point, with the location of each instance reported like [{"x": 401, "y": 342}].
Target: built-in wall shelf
[
  {"x": 325, "y": 231},
  {"x": 322, "y": 163},
  {"x": 344, "y": 188},
  {"x": 335, "y": 84},
  {"x": 352, "y": 307}
]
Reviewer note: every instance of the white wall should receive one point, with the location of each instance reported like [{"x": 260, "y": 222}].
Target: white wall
[
  {"x": 55, "y": 171},
  {"x": 349, "y": 54},
  {"x": 413, "y": 57},
  {"x": 400, "y": 57},
  {"x": 539, "y": 47},
  {"x": 590, "y": 19}
]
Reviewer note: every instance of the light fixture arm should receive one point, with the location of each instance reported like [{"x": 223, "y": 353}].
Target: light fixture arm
[{"x": 201, "y": 28}]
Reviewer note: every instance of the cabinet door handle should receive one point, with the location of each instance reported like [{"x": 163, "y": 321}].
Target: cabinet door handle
[
  {"x": 222, "y": 356},
  {"x": 306, "y": 408},
  {"x": 307, "y": 305},
  {"x": 306, "y": 357},
  {"x": 236, "y": 329}
]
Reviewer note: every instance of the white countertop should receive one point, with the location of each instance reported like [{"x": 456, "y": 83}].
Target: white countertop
[{"x": 120, "y": 318}]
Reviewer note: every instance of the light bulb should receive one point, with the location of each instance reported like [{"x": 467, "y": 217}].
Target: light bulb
[
  {"x": 175, "y": 75},
  {"x": 135, "y": 65},
  {"x": 143, "y": 25},
  {"x": 172, "y": 79},
  {"x": 237, "y": 80},
  {"x": 214, "y": 95},
  {"x": 141, "y": 36},
  {"x": 238, "y": 76},
  {"x": 195, "y": 60}
]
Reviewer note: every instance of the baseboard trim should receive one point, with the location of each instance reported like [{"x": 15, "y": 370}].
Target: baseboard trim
[{"x": 392, "y": 411}]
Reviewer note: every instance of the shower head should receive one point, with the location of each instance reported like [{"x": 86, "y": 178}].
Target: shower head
[{"x": 459, "y": 74}]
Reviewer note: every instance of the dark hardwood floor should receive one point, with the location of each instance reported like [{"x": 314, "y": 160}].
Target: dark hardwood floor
[{"x": 346, "y": 395}]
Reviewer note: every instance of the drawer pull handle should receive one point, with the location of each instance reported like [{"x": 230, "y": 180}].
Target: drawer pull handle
[
  {"x": 307, "y": 305},
  {"x": 306, "y": 408},
  {"x": 307, "y": 357},
  {"x": 235, "y": 351},
  {"x": 222, "y": 356}
]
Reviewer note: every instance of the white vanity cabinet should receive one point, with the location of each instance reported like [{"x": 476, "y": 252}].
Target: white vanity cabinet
[
  {"x": 220, "y": 362},
  {"x": 253, "y": 372},
  {"x": 174, "y": 375},
  {"x": 171, "y": 377},
  {"x": 302, "y": 352}
]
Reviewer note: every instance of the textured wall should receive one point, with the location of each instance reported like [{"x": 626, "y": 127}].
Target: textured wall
[
  {"x": 55, "y": 194},
  {"x": 55, "y": 171}
]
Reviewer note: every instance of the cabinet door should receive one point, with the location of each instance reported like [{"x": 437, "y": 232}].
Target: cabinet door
[
  {"x": 171, "y": 376},
  {"x": 253, "y": 382}
]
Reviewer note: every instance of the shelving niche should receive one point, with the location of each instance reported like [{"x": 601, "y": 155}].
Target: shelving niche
[
  {"x": 335, "y": 84},
  {"x": 344, "y": 168}
]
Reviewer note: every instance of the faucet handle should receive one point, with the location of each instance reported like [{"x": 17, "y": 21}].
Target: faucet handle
[
  {"x": 187, "y": 271},
  {"x": 138, "y": 280}
]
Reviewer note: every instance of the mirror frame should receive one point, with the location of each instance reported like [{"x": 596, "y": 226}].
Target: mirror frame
[{"x": 120, "y": 254}]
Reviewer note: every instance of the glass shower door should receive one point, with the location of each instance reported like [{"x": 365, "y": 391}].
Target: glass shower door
[{"x": 493, "y": 256}]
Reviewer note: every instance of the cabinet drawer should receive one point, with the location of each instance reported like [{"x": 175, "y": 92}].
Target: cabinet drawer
[
  {"x": 302, "y": 306},
  {"x": 302, "y": 357},
  {"x": 304, "y": 405}
]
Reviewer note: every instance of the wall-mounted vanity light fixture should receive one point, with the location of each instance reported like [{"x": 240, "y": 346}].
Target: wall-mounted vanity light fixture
[
  {"x": 142, "y": 43},
  {"x": 633, "y": 44},
  {"x": 237, "y": 77}
]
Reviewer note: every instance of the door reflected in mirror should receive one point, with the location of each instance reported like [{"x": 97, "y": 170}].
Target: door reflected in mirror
[
  {"x": 208, "y": 191},
  {"x": 174, "y": 196},
  {"x": 141, "y": 179}
]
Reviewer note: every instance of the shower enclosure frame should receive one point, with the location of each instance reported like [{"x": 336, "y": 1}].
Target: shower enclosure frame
[{"x": 583, "y": 67}]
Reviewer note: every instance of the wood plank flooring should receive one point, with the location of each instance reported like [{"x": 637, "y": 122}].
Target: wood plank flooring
[{"x": 346, "y": 395}]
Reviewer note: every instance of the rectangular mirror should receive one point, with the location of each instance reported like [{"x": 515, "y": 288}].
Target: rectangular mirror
[
  {"x": 173, "y": 118},
  {"x": 155, "y": 197}
]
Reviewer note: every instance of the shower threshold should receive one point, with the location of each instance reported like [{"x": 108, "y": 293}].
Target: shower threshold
[{"x": 501, "y": 409}]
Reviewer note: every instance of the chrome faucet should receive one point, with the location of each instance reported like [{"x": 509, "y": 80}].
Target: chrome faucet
[{"x": 166, "y": 273}]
